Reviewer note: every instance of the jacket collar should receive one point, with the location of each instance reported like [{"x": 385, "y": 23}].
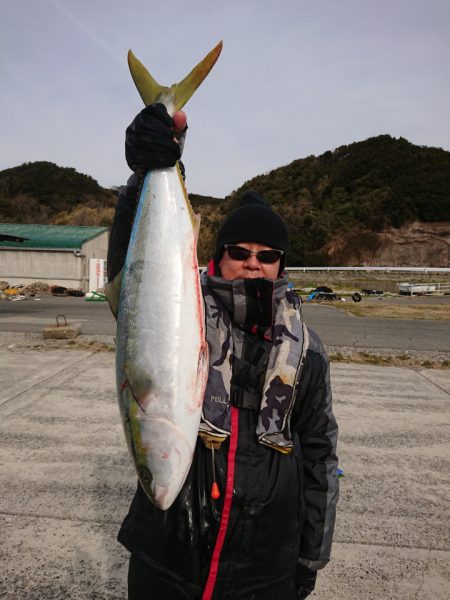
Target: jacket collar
[{"x": 249, "y": 301}]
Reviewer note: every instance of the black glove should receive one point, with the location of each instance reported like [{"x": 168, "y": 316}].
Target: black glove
[
  {"x": 306, "y": 581},
  {"x": 149, "y": 142}
]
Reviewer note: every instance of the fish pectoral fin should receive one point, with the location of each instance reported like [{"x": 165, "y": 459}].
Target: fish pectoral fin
[
  {"x": 140, "y": 384},
  {"x": 112, "y": 292}
]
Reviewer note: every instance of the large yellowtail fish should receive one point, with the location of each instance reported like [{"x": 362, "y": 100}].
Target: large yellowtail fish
[{"x": 161, "y": 356}]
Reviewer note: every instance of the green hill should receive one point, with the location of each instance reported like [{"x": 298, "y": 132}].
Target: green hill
[
  {"x": 43, "y": 193},
  {"x": 344, "y": 197},
  {"x": 363, "y": 187}
]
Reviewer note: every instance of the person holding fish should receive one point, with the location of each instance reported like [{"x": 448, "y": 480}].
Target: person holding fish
[
  {"x": 255, "y": 515},
  {"x": 224, "y": 392}
]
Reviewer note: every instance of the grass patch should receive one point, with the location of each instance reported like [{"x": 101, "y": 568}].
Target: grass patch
[
  {"x": 402, "y": 360},
  {"x": 91, "y": 345},
  {"x": 427, "y": 312}
]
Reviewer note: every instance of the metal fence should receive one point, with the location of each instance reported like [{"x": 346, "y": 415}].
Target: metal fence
[
  {"x": 412, "y": 289},
  {"x": 371, "y": 269}
]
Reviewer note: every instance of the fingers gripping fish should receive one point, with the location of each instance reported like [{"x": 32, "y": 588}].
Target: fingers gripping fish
[{"x": 161, "y": 356}]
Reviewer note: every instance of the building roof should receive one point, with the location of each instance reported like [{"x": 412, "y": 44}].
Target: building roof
[{"x": 47, "y": 236}]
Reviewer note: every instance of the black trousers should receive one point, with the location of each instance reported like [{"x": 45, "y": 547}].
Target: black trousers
[{"x": 145, "y": 583}]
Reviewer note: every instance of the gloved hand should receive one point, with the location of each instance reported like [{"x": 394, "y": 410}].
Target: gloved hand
[
  {"x": 152, "y": 141},
  {"x": 306, "y": 581}
]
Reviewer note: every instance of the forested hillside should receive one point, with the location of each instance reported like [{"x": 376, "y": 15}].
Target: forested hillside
[
  {"x": 354, "y": 192},
  {"x": 339, "y": 206},
  {"x": 41, "y": 192}
]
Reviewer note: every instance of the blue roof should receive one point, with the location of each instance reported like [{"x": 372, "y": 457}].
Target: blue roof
[{"x": 48, "y": 236}]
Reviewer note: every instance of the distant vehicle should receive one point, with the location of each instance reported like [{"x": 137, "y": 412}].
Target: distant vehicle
[
  {"x": 323, "y": 296},
  {"x": 320, "y": 294},
  {"x": 368, "y": 292},
  {"x": 417, "y": 289}
]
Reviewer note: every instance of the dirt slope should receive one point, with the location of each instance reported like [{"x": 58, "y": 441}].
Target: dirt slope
[{"x": 415, "y": 244}]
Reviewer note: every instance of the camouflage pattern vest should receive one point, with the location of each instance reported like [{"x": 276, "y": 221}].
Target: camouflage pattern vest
[{"x": 233, "y": 310}]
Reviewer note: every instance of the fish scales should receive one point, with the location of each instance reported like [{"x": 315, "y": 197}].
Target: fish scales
[{"x": 161, "y": 352}]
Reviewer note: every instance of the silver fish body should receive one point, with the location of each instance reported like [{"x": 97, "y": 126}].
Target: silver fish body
[{"x": 161, "y": 354}]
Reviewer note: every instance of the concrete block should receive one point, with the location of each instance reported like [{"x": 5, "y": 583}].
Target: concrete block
[{"x": 62, "y": 330}]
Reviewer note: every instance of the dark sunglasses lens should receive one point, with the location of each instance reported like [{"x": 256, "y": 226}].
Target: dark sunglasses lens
[
  {"x": 268, "y": 257},
  {"x": 238, "y": 253}
]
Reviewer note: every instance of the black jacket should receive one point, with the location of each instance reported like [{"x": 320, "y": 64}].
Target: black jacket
[{"x": 283, "y": 505}]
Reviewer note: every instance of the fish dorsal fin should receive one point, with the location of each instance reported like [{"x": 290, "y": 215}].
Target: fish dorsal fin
[
  {"x": 175, "y": 96},
  {"x": 197, "y": 218}
]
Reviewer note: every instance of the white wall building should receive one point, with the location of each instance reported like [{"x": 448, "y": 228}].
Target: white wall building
[{"x": 53, "y": 254}]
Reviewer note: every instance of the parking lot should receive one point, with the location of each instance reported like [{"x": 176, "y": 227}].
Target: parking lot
[{"x": 67, "y": 481}]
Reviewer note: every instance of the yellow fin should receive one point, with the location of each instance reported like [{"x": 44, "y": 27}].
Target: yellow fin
[
  {"x": 148, "y": 88},
  {"x": 195, "y": 217},
  {"x": 175, "y": 96},
  {"x": 197, "y": 221},
  {"x": 185, "y": 89},
  {"x": 112, "y": 292}
]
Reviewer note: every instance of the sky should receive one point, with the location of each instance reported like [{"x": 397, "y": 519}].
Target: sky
[{"x": 295, "y": 78}]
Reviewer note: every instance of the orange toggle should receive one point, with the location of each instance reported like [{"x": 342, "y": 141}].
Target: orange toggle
[{"x": 215, "y": 491}]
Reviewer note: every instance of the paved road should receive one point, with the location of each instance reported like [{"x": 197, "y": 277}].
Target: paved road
[
  {"x": 33, "y": 315},
  {"x": 66, "y": 481},
  {"x": 336, "y": 328}
]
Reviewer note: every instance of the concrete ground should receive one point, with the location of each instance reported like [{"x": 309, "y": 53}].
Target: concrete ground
[{"x": 66, "y": 481}]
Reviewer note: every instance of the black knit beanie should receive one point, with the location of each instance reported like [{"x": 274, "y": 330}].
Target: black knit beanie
[{"x": 253, "y": 221}]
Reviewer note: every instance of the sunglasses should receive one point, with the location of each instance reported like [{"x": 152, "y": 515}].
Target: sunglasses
[{"x": 267, "y": 257}]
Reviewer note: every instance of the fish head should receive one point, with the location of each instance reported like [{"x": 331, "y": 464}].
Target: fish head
[{"x": 165, "y": 448}]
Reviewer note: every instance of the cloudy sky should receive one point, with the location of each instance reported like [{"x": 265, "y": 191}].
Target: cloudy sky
[{"x": 295, "y": 78}]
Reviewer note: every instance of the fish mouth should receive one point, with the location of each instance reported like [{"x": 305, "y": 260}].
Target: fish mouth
[{"x": 161, "y": 498}]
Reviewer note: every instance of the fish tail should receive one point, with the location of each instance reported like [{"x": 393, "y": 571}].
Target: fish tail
[
  {"x": 186, "y": 88},
  {"x": 149, "y": 89},
  {"x": 175, "y": 96}
]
